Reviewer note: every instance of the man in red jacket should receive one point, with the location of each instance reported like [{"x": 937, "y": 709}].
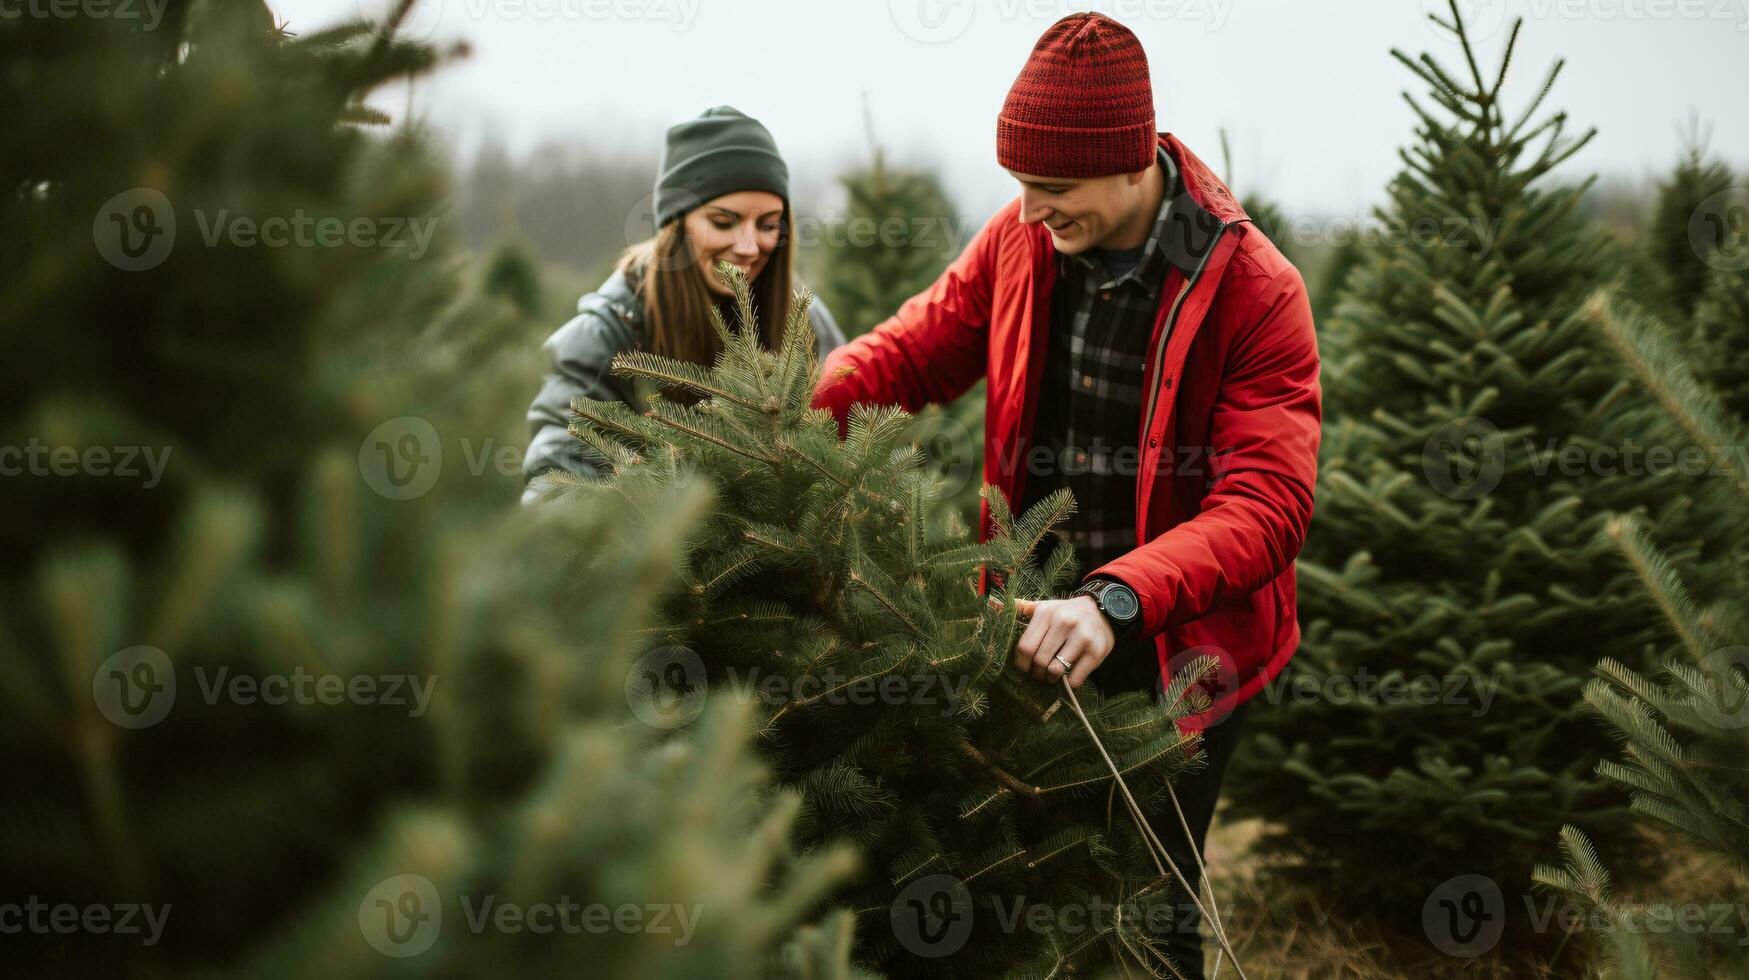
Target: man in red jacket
[{"x": 1149, "y": 349}]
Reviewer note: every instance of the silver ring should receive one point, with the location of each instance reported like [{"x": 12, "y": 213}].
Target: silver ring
[{"x": 1066, "y": 665}]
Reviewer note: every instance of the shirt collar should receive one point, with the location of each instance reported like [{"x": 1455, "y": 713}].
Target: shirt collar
[{"x": 1150, "y": 249}]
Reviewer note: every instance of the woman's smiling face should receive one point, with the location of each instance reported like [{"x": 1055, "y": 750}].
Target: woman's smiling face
[{"x": 741, "y": 229}]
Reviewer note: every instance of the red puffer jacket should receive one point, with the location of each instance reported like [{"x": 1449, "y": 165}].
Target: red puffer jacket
[{"x": 1229, "y": 440}]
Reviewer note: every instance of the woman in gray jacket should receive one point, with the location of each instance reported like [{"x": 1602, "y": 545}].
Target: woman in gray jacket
[{"x": 722, "y": 195}]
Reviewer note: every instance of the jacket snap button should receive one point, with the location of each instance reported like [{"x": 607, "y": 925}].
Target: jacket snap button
[{"x": 1153, "y": 443}]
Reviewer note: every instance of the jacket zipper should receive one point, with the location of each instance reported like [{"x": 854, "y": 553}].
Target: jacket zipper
[{"x": 1162, "y": 381}]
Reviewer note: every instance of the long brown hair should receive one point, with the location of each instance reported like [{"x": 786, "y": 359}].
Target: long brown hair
[{"x": 677, "y": 300}]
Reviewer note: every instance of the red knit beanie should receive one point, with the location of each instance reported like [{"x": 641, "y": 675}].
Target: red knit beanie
[{"x": 1082, "y": 106}]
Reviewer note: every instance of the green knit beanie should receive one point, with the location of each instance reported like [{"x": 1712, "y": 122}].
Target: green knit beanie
[{"x": 721, "y": 152}]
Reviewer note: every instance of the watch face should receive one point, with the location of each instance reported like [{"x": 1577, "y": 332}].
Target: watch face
[{"x": 1121, "y": 602}]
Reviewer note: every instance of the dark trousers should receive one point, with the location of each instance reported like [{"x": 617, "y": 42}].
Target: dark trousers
[{"x": 1198, "y": 792}]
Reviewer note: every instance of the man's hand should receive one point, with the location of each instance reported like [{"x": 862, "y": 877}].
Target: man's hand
[{"x": 1072, "y": 630}]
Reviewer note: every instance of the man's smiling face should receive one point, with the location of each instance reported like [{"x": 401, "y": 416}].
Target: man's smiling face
[{"x": 1082, "y": 212}]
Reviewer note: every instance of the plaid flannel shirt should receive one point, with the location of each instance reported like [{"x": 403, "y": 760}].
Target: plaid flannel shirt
[{"x": 1090, "y": 403}]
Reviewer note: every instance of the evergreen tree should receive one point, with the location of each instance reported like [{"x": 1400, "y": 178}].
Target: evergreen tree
[
  {"x": 511, "y": 272},
  {"x": 894, "y": 241},
  {"x": 897, "y": 238},
  {"x": 1332, "y": 276},
  {"x": 1697, "y": 278},
  {"x": 818, "y": 589},
  {"x": 1455, "y": 557},
  {"x": 1683, "y": 257},
  {"x": 1685, "y": 733},
  {"x": 294, "y": 533},
  {"x": 1720, "y": 333}
]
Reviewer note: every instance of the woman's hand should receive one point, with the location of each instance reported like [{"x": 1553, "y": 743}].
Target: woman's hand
[{"x": 1062, "y": 636}]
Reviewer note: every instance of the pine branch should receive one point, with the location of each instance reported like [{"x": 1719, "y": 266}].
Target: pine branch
[
  {"x": 1002, "y": 776},
  {"x": 677, "y": 374}
]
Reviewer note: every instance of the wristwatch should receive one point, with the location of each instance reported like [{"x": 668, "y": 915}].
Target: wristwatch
[{"x": 1117, "y": 602}]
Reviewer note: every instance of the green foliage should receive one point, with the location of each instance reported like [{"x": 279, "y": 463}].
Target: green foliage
[
  {"x": 1451, "y": 546},
  {"x": 897, "y": 238},
  {"x": 1685, "y": 731},
  {"x": 818, "y": 589},
  {"x": 1683, "y": 258},
  {"x": 1623, "y": 953},
  {"x": 1721, "y": 327},
  {"x": 511, "y": 272},
  {"x": 1333, "y": 276},
  {"x": 196, "y": 110},
  {"x": 476, "y": 735}
]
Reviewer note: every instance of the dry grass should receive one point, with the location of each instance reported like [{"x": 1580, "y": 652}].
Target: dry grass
[
  {"x": 1283, "y": 935},
  {"x": 1287, "y": 935}
]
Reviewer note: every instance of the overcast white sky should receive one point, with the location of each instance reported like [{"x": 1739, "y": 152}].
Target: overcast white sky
[{"x": 1306, "y": 88}]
